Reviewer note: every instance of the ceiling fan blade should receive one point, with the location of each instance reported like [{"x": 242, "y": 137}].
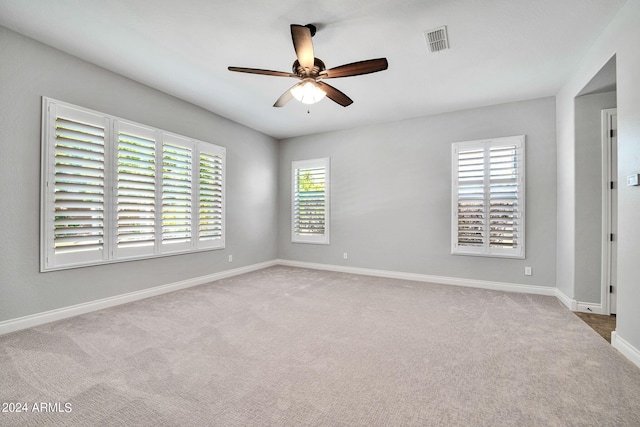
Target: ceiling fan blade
[
  {"x": 264, "y": 72},
  {"x": 286, "y": 97},
  {"x": 303, "y": 45},
  {"x": 335, "y": 95},
  {"x": 356, "y": 68}
]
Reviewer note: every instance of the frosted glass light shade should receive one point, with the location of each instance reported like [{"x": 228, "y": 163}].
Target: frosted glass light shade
[{"x": 308, "y": 92}]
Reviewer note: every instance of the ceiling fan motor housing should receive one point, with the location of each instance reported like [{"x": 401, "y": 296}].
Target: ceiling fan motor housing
[{"x": 318, "y": 67}]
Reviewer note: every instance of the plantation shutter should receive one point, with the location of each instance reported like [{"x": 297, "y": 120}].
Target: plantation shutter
[
  {"x": 177, "y": 192},
  {"x": 136, "y": 189},
  {"x": 75, "y": 217},
  {"x": 113, "y": 190},
  {"x": 310, "y": 201},
  {"x": 488, "y": 197},
  {"x": 210, "y": 198}
]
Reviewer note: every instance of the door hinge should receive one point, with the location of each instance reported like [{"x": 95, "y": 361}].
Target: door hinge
[
  {"x": 612, "y": 133},
  {"x": 611, "y": 237},
  {"x": 611, "y": 186},
  {"x": 610, "y": 289}
]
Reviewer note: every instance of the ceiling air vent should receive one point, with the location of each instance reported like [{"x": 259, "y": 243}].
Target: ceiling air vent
[{"x": 437, "y": 39}]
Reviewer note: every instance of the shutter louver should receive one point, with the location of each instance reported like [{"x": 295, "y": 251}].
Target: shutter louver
[
  {"x": 176, "y": 194},
  {"x": 310, "y": 201},
  {"x": 136, "y": 191},
  {"x": 79, "y": 182},
  {"x": 471, "y": 203},
  {"x": 503, "y": 197},
  {"x": 210, "y": 198}
]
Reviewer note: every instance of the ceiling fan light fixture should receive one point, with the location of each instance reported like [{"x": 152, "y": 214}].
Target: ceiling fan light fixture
[
  {"x": 310, "y": 70},
  {"x": 308, "y": 92}
]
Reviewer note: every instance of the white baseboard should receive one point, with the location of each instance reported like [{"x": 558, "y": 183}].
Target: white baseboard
[
  {"x": 456, "y": 281},
  {"x": 624, "y": 347},
  {"x": 30, "y": 321},
  {"x": 66, "y": 312},
  {"x": 12, "y": 325},
  {"x": 573, "y": 305},
  {"x": 570, "y": 303},
  {"x": 588, "y": 307}
]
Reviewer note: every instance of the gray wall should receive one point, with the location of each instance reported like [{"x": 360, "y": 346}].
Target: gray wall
[
  {"x": 620, "y": 38},
  {"x": 391, "y": 193},
  {"x": 628, "y": 68},
  {"x": 29, "y": 70},
  {"x": 589, "y": 194}
]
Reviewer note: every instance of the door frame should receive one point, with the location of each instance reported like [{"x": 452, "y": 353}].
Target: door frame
[{"x": 608, "y": 176}]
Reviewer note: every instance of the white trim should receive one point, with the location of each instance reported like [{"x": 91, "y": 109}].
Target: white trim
[
  {"x": 417, "y": 277},
  {"x": 32, "y": 320},
  {"x": 570, "y": 303},
  {"x": 13, "y": 325},
  {"x": 573, "y": 305},
  {"x": 588, "y": 307},
  {"x": 624, "y": 347}
]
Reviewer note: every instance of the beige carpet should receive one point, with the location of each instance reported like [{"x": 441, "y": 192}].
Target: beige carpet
[{"x": 295, "y": 347}]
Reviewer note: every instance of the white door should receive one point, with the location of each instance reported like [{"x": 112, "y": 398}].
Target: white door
[
  {"x": 614, "y": 214},
  {"x": 609, "y": 210}
]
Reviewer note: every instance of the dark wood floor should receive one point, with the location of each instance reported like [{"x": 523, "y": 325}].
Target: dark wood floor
[{"x": 603, "y": 325}]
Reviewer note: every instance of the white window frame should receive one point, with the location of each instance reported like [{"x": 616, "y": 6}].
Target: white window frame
[
  {"x": 110, "y": 251},
  {"x": 296, "y": 236},
  {"x": 485, "y": 249}
]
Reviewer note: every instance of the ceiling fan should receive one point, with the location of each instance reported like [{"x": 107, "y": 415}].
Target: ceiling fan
[{"x": 311, "y": 71}]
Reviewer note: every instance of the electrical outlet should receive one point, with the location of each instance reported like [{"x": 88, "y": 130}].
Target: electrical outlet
[
  {"x": 345, "y": 256},
  {"x": 230, "y": 258},
  {"x": 527, "y": 271}
]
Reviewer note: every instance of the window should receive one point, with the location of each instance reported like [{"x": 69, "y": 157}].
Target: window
[
  {"x": 488, "y": 197},
  {"x": 310, "y": 201},
  {"x": 114, "y": 190}
]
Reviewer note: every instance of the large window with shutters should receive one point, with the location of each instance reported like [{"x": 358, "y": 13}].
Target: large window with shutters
[
  {"x": 310, "y": 201},
  {"x": 488, "y": 183},
  {"x": 114, "y": 190}
]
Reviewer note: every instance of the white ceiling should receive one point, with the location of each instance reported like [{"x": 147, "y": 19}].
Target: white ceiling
[{"x": 501, "y": 51}]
